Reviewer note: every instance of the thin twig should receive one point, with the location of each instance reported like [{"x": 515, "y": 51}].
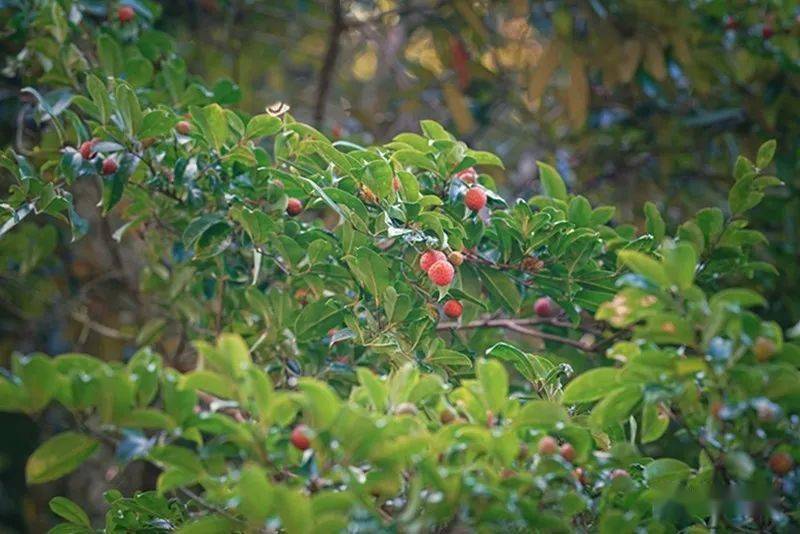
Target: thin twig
[
  {"x": 101, "y": 329},
  {"x": 337, "y": 28},
  {"x": 521, "y": 326}
]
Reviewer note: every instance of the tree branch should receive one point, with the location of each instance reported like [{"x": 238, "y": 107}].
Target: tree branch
[
  {"x": 338, "y": 26},
  {"x": 521, "y": 326}
]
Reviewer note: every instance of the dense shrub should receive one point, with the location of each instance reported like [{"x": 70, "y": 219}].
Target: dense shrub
[{"x": 330, "y": 391}]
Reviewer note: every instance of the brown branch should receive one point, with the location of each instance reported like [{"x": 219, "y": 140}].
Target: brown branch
[
  {"x": 521, "y": 326},
  {"x": 338, "y": 27},
  {"x": 101, "y": 329}
]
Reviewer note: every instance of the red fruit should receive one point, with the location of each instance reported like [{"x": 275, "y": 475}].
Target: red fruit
[
  {"x": 87, "y": 150},
  {"x": 468, "y": 175},
  {"x": 429, "y": 257},
  {"x": 109, "y": 166},
  {"x": 544, "y": 307},
  {"x": 126, "y": 14},
  {"x": 294, "y": 207},
  {"x": 300, "y": 437},
  {"x": 183, "y": 127},
  {"x": 475, "y": 199},
  {"x": 731, "y": 23},
  {"x": 441, "y": 273},
  {"x": 548, "y": 445},
  {"x": 767, "y": 31},
  {"x": 781, "y": 463},
  {"x": 567, "y": 452},
  {"x": 453, "y": 309},
  {"x": 619, "y": 473}
]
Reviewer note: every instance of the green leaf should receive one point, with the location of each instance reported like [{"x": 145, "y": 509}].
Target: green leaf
[
  {"x": 129, "y": 108},
  {"x": 591, "y": 385},
  {"x": 58, "y": 456},
  {"x": 502, "y": 287},
  {"x": 209, "y": 381},
  {"x": 262, "y": 126},
  {"x": 645, "y": 266},
  {"x": 449, "y": 358},
  {"x": 666, "y": 472},
  {"x": 314, "y": 321},
  {"x": 653, "y": 222},
  {"x": 110, "y": 54},
  {"x": 294, "y": 509},
  {"x": 542, "y": 414},
  {"x": 378, "y": 177},
  {"x": 533, "y": 368},
  {"x": 217, "y": 124},
  {"x": 414, "y": 158},
  {"x": 552, "y": 184},
  {"x": 654, "y": 423},
  {"x": 320, "y": 403},
  {"x": 68, "y": 510},
  {"x": 434, "y": 130},
  {"x": 616, "y": 406},
  {"x": 371, "y": 270},
  {"x": 680, "y": 262},
  {"x": 482, "y": 157},
  {"x": 494, "y": 382},
  {"x": 156, "y": 123},
  {"x": 579, "y": 211},
  {"x": 255, "y": 494},
  {"x": 765, "y": 154},
  {"x": 99, "y": 93}
]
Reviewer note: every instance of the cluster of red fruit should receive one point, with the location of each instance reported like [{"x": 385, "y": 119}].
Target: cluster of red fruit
[
  {"x": 767, "y": 30},
  {"x": 88, "y": 153},
  {"x": 441, "y": 271}
]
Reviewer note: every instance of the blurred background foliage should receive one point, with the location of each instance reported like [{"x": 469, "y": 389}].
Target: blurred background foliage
[{"x": 631, "y": 100}]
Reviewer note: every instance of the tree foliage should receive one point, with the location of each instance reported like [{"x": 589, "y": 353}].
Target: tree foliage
[{"x": 329, "y": 391}]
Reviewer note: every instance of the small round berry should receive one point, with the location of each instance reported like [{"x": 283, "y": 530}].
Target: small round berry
[
  {"x": 405, "y": 408},
  {"x": 300, "y": 437},
  {"x": 183, "y": 127},
  {"x": 579, "y": 474},
  {"x": 453, "y": 309},
  {"x": 547, "y": 445},
  {"x": 447, "y": 416},
  {"x": 731, "y": 23},
  {"x": 767, "y": 31},
  {"x": 126, "y": 14},
  {"x": 429, "y": 257},
  {"x": 475, "y": 199},
  {"x": 441, "y": 273},
  {"x": 619, "y": 473},
  {"x": 109, "y": 166},
  {"x": 468, "y": 175},
  {"x": 87, "y": 150},
  {"x": 294, "y": 207},
  {"x": 567, "y": 452},
  {"x": 544, "y": 307},
  {"x": 781, "y": 463},
  {"x": 764, "y": 349},
  {"x": 456, "y": 258}
]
